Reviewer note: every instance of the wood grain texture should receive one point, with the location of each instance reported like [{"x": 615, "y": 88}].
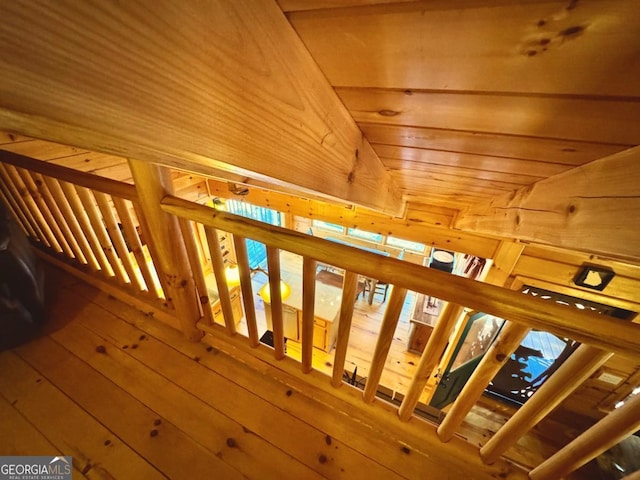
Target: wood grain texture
[
  {"x": 68, "y": 426},
  {"x": 549, "y": 117},
  {"x": 224, "y": 85},
  {"x": 488, "y": 144},
  {"x": 578, "y": 209},
  {"x": 478, "y": 46}
]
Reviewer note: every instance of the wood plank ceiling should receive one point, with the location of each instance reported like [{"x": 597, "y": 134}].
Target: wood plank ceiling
[{"x": 464, "y": 101}]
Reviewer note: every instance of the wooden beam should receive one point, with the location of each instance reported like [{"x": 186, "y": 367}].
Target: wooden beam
[
  {"x": 585, "y": 326},
  {"x": 609, "y": 431},
  {"x": 227, "y": 85},
  {"x": 428, "y": 225},
  {"x": 171, "y": 259},
  {"x": 578, "y": 209},
  {"x": 573, "y": 372}
]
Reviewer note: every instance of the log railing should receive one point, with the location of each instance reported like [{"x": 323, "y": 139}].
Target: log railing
[
  {"x": 600, "y": 335},
  {"x": 99, "y": 226},
  {"x": 85, "y": 222}
]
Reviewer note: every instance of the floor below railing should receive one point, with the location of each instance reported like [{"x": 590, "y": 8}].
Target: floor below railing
[{"x": 128, "y": 397}]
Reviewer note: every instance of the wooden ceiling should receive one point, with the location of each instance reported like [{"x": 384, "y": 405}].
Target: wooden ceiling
[
  {"x": 463, "y": 101},
  {"x": 466, "y": 105}
]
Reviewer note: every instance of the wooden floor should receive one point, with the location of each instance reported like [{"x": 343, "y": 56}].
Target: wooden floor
[{"x": 128, "y": 398}]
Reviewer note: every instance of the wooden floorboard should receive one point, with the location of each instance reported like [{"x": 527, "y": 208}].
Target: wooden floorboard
[
  {"x": 128, "y": 397},
  {"x": 67, "y": 426}
]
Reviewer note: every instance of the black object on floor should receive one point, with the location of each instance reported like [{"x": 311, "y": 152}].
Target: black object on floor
[{"x": 21, "y": 286}]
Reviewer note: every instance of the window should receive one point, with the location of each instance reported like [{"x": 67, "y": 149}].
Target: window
[
  {"x": 256, "y": 251},
  {"x": 406, "y": 244},
  {"x": 328, "y": 226},
  {"x": 356, "y": 232}
]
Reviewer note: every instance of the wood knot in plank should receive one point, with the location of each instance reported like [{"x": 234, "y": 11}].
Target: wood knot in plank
[
  {"x": 153, "y": 433},
  {"x": 231, "y": 443},
  {"x": 322, "y": 458},
  {"x": 101, "y": 349}
]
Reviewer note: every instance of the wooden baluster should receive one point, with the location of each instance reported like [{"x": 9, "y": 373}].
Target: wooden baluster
[
  {"x": 62, "y": 222},
  {"x": 429, "y": 359},
  {"x": 167, "y": 245},
  {"x": 383, "y": 344},
  {"x": 133, "y": 240},
  {"x": 154, "y": 255},
  {"x": 80, "y": 214},
  {"x": 308, "y": 311},
  {"x": 18, "y": 198},
  {"x": 221, "y": 280},
  {"x": 572, "y": 373},
  {"x": 16, "y": 175},
  {"x": 273, "y": 263},
  {"x": 115, "y": 234},
  {"x": 15, "y": 210},
  {"x": 46, "y": 215},
  {"x": 247, "y": 290},
  {"x": 67, "y": 211},
  {"x": 349, "y": 288},
  {"x": 609, "y": 431},
  {"x": 112, "y": 266},
  {"x": 497, "y": 355},
  {"x": 196, "y": 267}
]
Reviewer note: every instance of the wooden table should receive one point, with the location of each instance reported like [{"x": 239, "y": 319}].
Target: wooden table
[{"x": 326, "y": 311}]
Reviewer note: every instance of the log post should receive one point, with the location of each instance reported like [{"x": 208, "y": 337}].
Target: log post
[{"x": 153, "y": 183}]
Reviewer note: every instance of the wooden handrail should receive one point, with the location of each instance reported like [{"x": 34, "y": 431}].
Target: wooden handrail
[
  {"x": 608, "y": 432},
  {"x": 88, "y": 180},
  {"x": 585, "y": 326}
]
